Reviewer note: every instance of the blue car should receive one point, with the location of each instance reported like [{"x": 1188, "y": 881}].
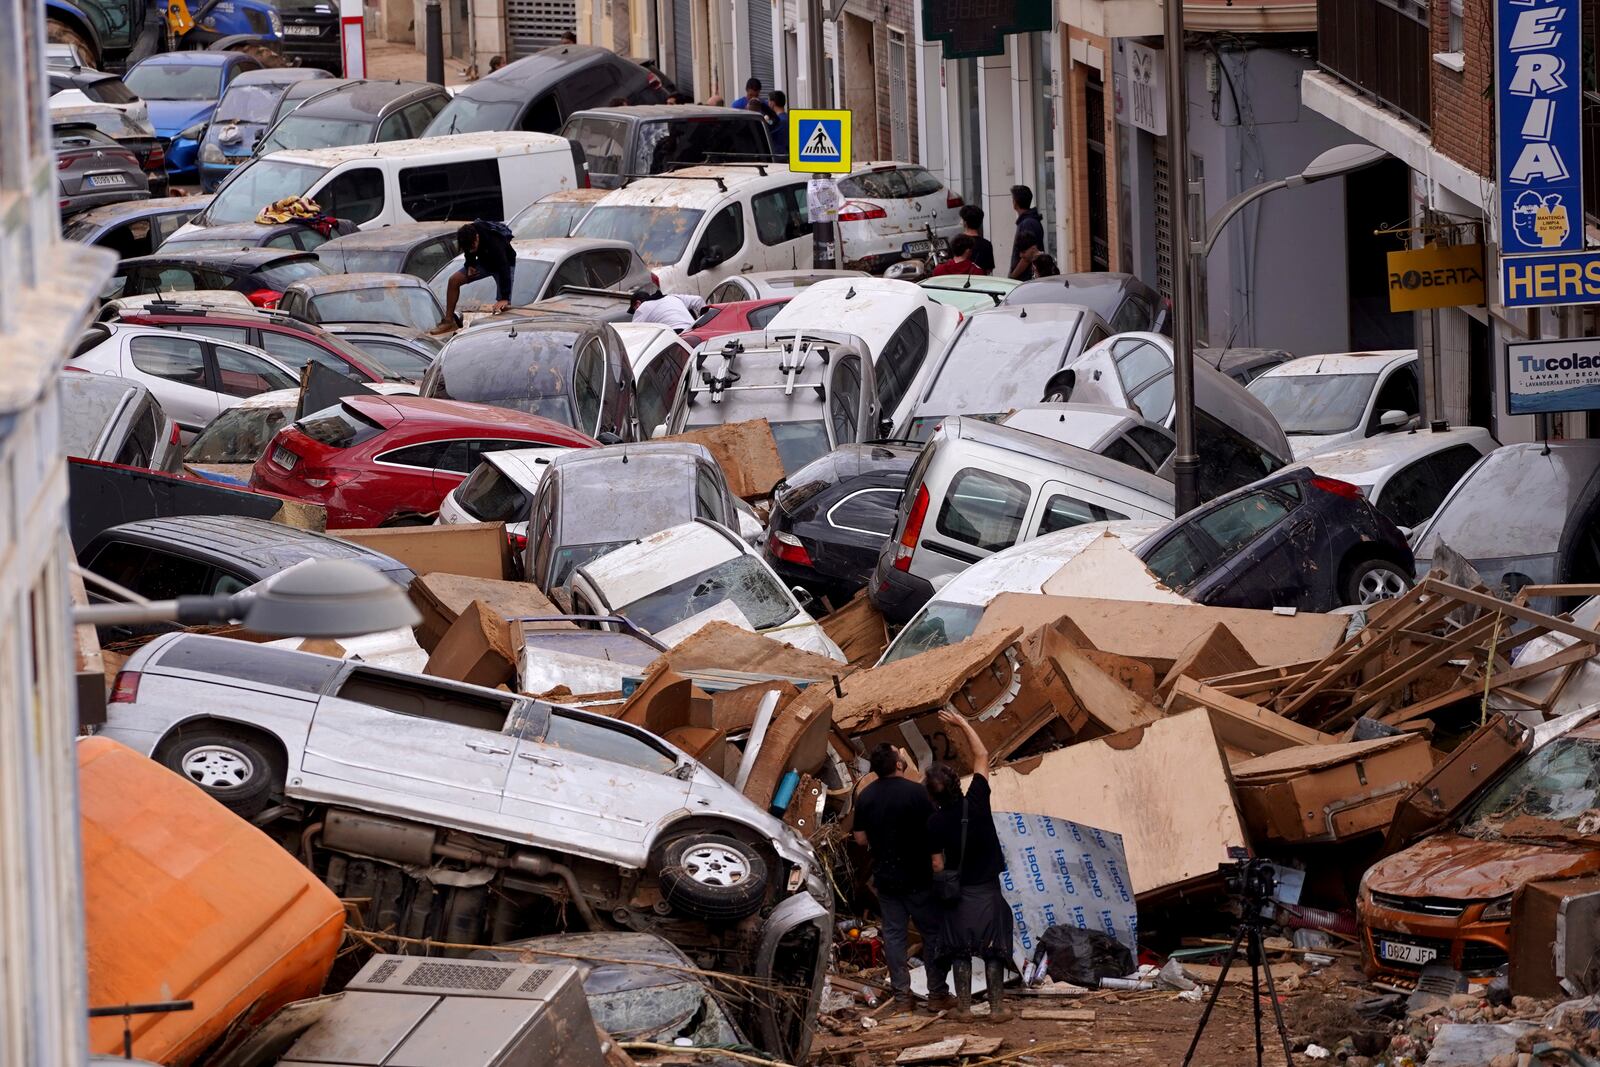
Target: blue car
[
  {"x": 243, "y": 115},
  {"x": 182, "y": 90}
]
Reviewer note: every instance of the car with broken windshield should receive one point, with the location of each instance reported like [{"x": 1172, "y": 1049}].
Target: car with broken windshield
[
  {"x": 479, "y": 816},
  {"x": 1329, "y": 401}
]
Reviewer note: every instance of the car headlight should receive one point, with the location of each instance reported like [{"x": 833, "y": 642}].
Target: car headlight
[
  {"x": 275, "y": 20},
  {"x": 210, "y": 153},
  {"x": 193, "y": 133},
  {"x": 1497, "y": 909}
]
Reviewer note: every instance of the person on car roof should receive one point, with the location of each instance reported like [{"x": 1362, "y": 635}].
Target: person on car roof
[{"x": 487, "y": 249}]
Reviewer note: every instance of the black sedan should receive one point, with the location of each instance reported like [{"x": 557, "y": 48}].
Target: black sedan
[
  {"x": 261, "y": 274},
  {"x": 1291, "y": 540},
  {"x": 831, "y": 517}
]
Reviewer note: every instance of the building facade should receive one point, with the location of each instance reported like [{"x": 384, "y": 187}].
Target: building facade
[{"x": 47, "y": 289}]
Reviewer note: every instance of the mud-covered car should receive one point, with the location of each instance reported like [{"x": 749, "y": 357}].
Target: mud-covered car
[{"x": 473, "y": 815}]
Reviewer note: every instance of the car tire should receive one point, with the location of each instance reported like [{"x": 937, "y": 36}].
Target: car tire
[
  {"x": 1373, "y": 580},
  {"x": 60, "y": 33},
  {"x": 712, "y": 876},
  {"x": 236, "y": 768}
]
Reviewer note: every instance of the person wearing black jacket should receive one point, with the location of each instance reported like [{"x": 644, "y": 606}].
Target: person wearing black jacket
[
  {"x": 1030, "y": 226},
  {"x": 962, "y": 835},
  {"x": 486, "y": 247}
]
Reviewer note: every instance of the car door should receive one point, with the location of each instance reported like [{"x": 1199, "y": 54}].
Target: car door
[
  {"x": 720, "y": 249},
  {"x": 660, "y": 387},
  {"x": 980, "y": 512},
  {"x": 844, "y": 403},
  {"x": 595, "y": 788},
  {"x": 411, "y": 743},
  {"x": 1259, "y": 547},
  {"x": 1061, "y": 506},
  {"x": 173, "y": 367},
  {"x": 425, "y": 259},
  {"x": 783, "y": 229},
  {"x": 237, "y": 372}
]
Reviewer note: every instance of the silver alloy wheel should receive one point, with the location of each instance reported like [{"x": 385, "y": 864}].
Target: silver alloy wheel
[
  {"x": 218, "y": 767},
  {"x": 1381, "y": 584},
  {"x": 717, "y": 865}
]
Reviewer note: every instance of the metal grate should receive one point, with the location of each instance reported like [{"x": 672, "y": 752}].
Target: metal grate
[
  {"x": 458, "y": 976},
  {"x": 1419, "y": 905},
  {"x": 683, "y": 45},
  {"x": 1163, "y": 219},
  {"x": 536, "y": 24},
  {"x": 760, "y": 16},
  {"x": 536, "y": 978},
  {"x": 385, "y": 971}
]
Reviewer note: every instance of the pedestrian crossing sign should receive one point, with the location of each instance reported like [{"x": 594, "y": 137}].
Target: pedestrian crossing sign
[{"x": 819, "y": 142}]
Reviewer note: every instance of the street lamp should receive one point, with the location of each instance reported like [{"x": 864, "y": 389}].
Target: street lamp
[
  {"x": 1334, "y": 163},
  {"x": 318, "y": 598}
]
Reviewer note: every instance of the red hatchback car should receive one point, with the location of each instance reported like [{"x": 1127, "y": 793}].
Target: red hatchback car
[
  {"x": 736, "y": 316},
  {"x": 390, "y": 460}
]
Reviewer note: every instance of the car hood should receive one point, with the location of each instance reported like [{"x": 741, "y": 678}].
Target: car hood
[
  {"x": 172, "y": 117},
  {"x": 1307, "y": 444},
  {"x": 1466, "y": 868},
  {"x": 235, "y": 135}
]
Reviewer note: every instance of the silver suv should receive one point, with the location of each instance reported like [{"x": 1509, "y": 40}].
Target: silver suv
[{"x": 467, "y": 814}]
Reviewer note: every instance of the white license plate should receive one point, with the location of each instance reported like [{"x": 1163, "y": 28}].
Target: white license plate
[
  {"x": 916, "y": 248},
  {"x": 101, "y": 181},
  {"x": 1397, "y": 952},
  {"x": 301, "y": 31},
  {"x": 284, "y": 458}
]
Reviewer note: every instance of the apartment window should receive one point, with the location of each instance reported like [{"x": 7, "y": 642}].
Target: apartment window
[{"x": 1457, "y": 36}]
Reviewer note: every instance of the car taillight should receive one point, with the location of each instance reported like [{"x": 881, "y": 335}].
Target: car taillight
[
  {"x": 788, "y": 548},
  {"x": 954, "y": 201},
  {"x": 1337, "y": 488},
  {"x": 854, "y": 212},
  {"x": 155, "y": 159},
  {"x": 654, "y": 280},
  {"x": 264, "y": 298},
  {"x": 652, "y": 81},
  {"x": 913, "y": 530},
  {"x": 518, "y": 542},
  {"x": 322, "y": 479},
  {"x": 176, "y": 436},
  {"x": 125, "y": 690}
]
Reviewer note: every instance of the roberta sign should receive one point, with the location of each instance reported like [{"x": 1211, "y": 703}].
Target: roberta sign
[{"x": 1544, "y": 376}]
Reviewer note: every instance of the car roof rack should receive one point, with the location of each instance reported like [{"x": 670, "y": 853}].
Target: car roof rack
[
  {"x": 794, "y": 350},
  {"x": 722, "y": 186}
]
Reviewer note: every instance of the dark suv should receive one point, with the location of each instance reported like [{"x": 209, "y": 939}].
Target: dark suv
[
  {"x": 539, "y": 92},
  {"x": 261, "y": 274},
  {"x": 361, "y": 112},
  {"x": 621, "y": 143}
]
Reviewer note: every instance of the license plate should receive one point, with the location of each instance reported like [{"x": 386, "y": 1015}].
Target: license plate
[
  {"x": 101, "y": 181},
  {"x": 301, "y": 31},
  {"x": 284, "y": 458},
  {"x": 1398, "y": 952},
  {"x": 916, "y": 248}
]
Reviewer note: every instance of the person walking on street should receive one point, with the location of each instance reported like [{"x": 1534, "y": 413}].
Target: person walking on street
[
  {"x": 486, "y": 247},
  {"x": 891, "y": 819},
  {"x": 962, "y": 248},
  {"x": 778, "y": 126},
  {"x": 1029, "y": 224},
  {"x": 649, "y": 304},
  {"x": 962, "y": 835},
  {"x": 972, "y": 226}
]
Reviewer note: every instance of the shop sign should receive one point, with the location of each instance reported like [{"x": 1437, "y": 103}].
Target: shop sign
[
  {"x": 1438, "y": 276},
  {"x": 1142, "y": 96},
  {"x": 972, "y": 28},
  {"x": 1546, "y": 376}
]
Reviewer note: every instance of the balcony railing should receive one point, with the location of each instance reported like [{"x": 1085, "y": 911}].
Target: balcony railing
[{"x": 1379, "y": 47}]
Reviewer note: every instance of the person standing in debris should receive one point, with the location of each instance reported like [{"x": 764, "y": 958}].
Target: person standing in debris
[
  {"x": 891, "y": 819},
  {"x": 649, "y": 304},
  {"x": 486, "y": 247},
  {"x": 962, "y": 836}
]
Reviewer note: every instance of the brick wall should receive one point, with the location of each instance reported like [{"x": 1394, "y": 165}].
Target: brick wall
[{"x": 1463, "y": 109}]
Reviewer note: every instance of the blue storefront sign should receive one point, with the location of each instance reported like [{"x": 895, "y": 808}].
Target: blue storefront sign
[{"x": 1538, "y": 99}]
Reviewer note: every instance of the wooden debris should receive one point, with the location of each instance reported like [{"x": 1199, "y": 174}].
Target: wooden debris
[
  {"x": 947, "y": 1049},
  {"x": 1060, "y": 1015},
  {"x": 1107, "y": 703},
  {"x": 859, "y": 631}
]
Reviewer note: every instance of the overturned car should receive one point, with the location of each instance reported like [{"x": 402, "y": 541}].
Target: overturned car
[{"x": 472, "y": 816}]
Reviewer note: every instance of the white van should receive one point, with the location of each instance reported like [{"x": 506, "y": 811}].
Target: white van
[
  {"x": 698, "y": 226},
  {"x": 465, "y": 176}
]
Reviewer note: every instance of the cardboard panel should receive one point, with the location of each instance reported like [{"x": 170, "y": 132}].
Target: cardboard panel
[{"x": 476, "y": 549}]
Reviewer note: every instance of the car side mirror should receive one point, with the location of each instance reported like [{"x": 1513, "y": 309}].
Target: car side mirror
[
  {"x": 803, "y": 597},
  {"x": 1393, "y": 420},
  {"x": 1058, "y": 390},
  {"x": 659, "y": 432},
  {"x": 606, "y": 437}
]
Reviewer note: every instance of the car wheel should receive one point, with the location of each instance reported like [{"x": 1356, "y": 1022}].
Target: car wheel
[
  {"x": 61, "y": 33},
  {"x": 236, "y": 769},
  {"x": 1375, "y": 580},
  {"x": 711, "y": 876}
]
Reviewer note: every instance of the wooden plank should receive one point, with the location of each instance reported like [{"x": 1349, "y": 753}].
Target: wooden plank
[
  {"x": 1101, "y": 697},
  {"x": 1412, "y": 667},
  {"x": 1243, "y": 724},
  {"x": 1567, "y": 657},
  {"x": 1060, "y": 1015},
  {"x": 948, "y": 1049},
  {"x": 1516, "y": 611},
  {"x": 1214, "y": 652}
]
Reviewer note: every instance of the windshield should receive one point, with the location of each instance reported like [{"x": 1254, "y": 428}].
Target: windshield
[
  {"x": 467, "y": 115},
  {"x": 568, "y": 559},
  {"x": 308, "y": 131},
  {"x": 339, "y": 426},
  {"x": 489, "y": 496},
  {"x": 399, "y": 359},
  {"x": 743, "y": 580},
  {"x": 1554, "y": 794},
  {"x": 257, "y": 184},
  {"x": 527, "y": 280},
  {"x": 109, "y": 91},
  {"x": 412, "y": 307},
  {"x": 248, "y": 103},
  {"x": 555, "y": 219},
  {"x": 1315, "y": 403},
  {"x": 238, "y": 435},
  {"x": 174, "y": 81},
  {"x": 995, "y": 364},
  {"x": 659, "y": 233},
  {"x": 940, "y": 623}
]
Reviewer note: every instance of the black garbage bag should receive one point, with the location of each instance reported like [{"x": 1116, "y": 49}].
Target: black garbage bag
[{"x": 1083, "y": 957}]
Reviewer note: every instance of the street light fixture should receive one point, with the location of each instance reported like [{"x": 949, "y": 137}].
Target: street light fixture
[
  {"x": 319, "y": 598},
  {"x": 1334, "y": 163}
]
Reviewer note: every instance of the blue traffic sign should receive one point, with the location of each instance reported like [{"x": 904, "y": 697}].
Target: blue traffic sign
[{"x": 819, "y": 141}]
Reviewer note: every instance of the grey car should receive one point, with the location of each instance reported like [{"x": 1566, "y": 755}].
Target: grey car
[
  {"x": 418, "y": 248},
  {"x": 487, "y": 812},
  {"x": 593, "y": 500},
  {"x": 406, "y": 350},
  {"x": 115, "y": 420},
  {"x": 401, "y": 299},
  {"x": 93, "y": 170},
  {"x": 296, "y": 236},
  {"x": 360, "y": 112},
  {"x": 134, "y": 227}
]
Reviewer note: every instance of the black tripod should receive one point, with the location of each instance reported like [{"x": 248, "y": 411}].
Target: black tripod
[{"x": 1254, "y": 881}]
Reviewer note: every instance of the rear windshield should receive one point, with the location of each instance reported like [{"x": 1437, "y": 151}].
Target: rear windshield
[
  {"x": 108, "y": 91},
  {"x": 395, "y": 357},
  {"x": 238, "y": 435},
  {"x": 743, "y": 580},
  {"x": 280, "y": 276},
  {"x": 308, "y": 131},
  {"x": 659, "y": 233},
  {"x": 242, "y": 661},
  {"x": 403, "y": 306},
  {"x": 248, "y": 103},
  {"x": 257, "y": 184},
  {"x": 555, "y": 219},
  {"x": 676, "y": 143},
  {"x": 339, "y": 427},
  {"x": 174, "y": 81},
  {"x": 489, "y": 496}
]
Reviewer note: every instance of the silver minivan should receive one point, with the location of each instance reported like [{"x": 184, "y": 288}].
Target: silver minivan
[{"x": 979, "y": 488}]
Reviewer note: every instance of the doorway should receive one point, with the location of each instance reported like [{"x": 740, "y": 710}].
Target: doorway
[
  {"x": 1375, "y": 198},
  {"x": 860, "y": 84}
]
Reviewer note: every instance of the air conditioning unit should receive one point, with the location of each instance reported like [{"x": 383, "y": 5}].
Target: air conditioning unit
[{"x": 412, "y": 1011}]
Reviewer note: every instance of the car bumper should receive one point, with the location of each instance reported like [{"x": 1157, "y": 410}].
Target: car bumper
[
  {"x": 214, "y": 174},
  {"x": 182, "y": 158},
  {"x": 320, "y": 52},
  {"x": 1475, "y": 947},
  {"x": 896, "y": 594}
]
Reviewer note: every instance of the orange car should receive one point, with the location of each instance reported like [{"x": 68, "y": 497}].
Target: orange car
[
  {"x": 1448, "y": 897},
  {"x": 184, "y": 900}
]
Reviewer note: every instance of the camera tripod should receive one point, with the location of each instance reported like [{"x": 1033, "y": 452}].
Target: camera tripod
[{"x": 1249, "y": 935}]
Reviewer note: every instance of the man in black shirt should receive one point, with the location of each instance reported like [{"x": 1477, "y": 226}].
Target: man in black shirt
[
  {"x": 891, "y": 818},
  {"x": 486, "y": 248},
  {"x": 972, "y": 226},
  {"x": 1030, "y": 226}
]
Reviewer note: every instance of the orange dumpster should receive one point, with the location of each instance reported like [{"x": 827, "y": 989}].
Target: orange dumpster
[{"x": 186, "y": 901}]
